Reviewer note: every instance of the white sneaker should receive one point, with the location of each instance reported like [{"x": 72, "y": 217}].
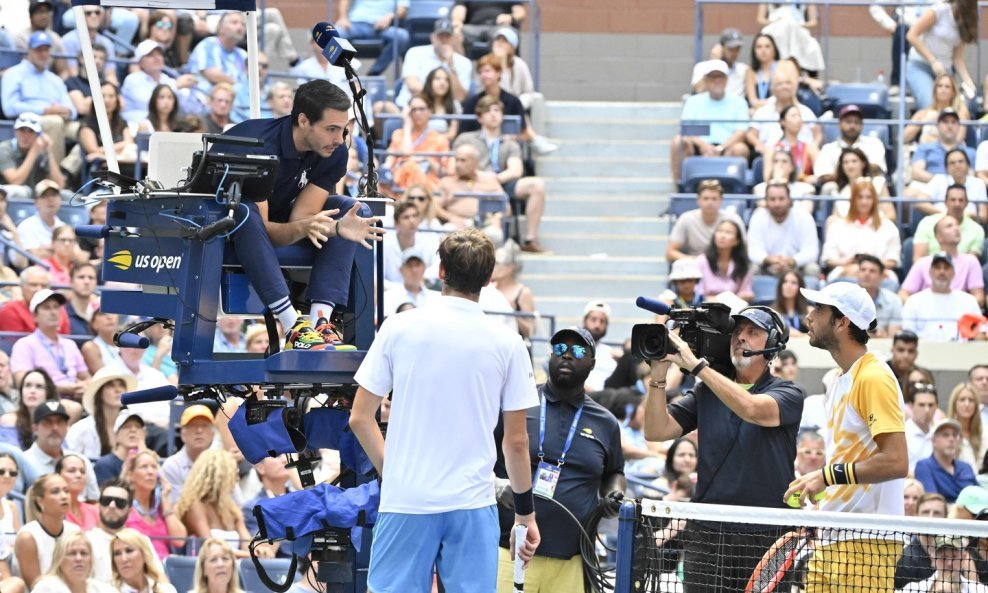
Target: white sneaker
[{"x": 542, "y": 146}]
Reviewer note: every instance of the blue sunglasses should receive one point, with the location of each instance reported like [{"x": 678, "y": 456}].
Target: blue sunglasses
[{"x": 577, "y": 350}]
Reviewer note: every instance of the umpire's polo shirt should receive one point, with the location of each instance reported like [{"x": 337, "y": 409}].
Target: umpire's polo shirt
[
  {"x": 738, "y": 462},
  {"x": 594, "y": 455},
  {"x": 294, "y": 169}
]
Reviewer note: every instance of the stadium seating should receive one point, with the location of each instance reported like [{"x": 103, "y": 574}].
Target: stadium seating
[
  {"x": 730, "y": 171},
  {"x": 764, "y": 287},
  {"x": 421, "y": 19},
  {"x": 873, "y": 99},
  {"x": 180, "y": 571}
]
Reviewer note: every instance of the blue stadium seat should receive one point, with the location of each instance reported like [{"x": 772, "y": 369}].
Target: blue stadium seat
[
  {"x": 756, "y": 174},
  {"x": 276, "y": 569},
  {"x": 6, "y": 130},
  {"x": 421, "y": 18},
  {"x": 730, "y": 171},
  {"x": 180, "y": 571},
  {"x": 19, "y": 210},
  {"x": 376, "y": 87},
  {"x": 907, "y": 258},
  {"x": 873, "y": 99},
  {"x": 764, "y": 288},
  {"x": 74, "y": 215},
  {"x": 680, "y": 206},
  {"x": 390, "y": 125}
]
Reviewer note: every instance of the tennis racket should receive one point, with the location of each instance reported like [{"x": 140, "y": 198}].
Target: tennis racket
[
  {"x": 521, "y": 533},
  {"x": 780, "y": 558}
]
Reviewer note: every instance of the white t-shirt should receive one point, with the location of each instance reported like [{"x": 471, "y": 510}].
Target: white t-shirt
[
  {"x": 35, "y": 233},
  {"x": 452, "y": 370},
  {"x": 937, "y": 190},
  {"x": 421, "y": 60},
  {"x": 933, "y": 316},
  {"x": 942, "y": 37},
  {"x": 826, "y": 162},
  {"x": 919, "y": 444},
  {"x": 981, "y": 157},
  {"x": 769, "y": 130}
]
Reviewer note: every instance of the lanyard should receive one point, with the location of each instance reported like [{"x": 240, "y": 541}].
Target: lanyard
[
  {"x": 569, "y": 437},
  {"x": 420, "y": 139},
  {"x": 59, "y": 359},
  {"x": 493, "y": 149}
]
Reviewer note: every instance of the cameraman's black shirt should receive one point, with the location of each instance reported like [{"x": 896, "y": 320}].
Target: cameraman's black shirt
[{"x": 738, "y": 462}]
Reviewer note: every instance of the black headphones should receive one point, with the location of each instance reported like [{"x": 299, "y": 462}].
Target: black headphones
[{"x": 778, "y": 336}]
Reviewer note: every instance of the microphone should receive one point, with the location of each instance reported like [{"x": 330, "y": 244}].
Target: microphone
[
  {"x": 129, "y": 340},
  {"x": 146, "y": 396},
  {"x": 772, "y": 350},
  {"x": 337, "y": 50},
  {"x": 652, "y": 305}
]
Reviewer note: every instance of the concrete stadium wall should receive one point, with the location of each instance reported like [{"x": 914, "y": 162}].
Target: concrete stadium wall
[{"x": 642, "y": 50}]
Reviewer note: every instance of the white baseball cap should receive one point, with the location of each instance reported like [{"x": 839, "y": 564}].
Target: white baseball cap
[
  {"x": 852, "y": 300},
  {"x": 145, "y": 47},
  {"x": 711, "y": 66}
]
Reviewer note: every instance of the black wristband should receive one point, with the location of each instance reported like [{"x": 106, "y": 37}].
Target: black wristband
[
  {"x": 839, "y": 473},
  {"x": 699, "y": 367},
  {"x": 524, "y": 502}
]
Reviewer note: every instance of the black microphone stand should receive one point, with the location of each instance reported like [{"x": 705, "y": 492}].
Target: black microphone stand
[{"x": 367, "y": 187}]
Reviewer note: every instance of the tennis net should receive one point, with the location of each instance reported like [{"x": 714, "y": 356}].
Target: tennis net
[{"x": 676, "y": 546}]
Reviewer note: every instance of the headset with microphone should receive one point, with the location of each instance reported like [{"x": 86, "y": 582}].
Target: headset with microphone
[{"x": 778, "y": 336}]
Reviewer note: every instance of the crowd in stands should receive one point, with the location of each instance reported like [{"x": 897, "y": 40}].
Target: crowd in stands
[{"x": 93, "y": 496}]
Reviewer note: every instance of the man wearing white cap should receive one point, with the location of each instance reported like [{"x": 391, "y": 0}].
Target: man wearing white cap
[
  {"x": 866, "y": 464},
  {"x": 683, "y": 278},
  {"x": 28, "y": 160},
  {"x": 729, "y": 50},
  {"x": 942, "y": 472},
  {"x": 725, "y": 138},
  {"x": 138, "y": 86},
  {"x": 596, "y": 318},
  {"x": 45, "y": 349}
]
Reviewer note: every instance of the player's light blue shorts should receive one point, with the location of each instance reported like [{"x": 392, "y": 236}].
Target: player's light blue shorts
[{"x": 460, "y": 545}]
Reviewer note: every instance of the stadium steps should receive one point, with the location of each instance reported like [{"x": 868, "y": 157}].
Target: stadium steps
[{"x": 606, "y": 184}]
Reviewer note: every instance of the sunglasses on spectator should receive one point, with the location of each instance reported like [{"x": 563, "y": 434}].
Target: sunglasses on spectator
[
  {"x": 120, "y": 503},
  {"x": 92, "y": 12},
  {"x": 262, "y": 64},
  {"x": 163, "y": 24},
  {"x": 414, "y": 109},
  {"x": 578, "y": 351},
  {"x": 13, "y": 473}
]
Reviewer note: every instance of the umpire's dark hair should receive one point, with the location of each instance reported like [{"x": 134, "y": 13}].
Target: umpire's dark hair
[
  {"x": 857, "y": 334},
  {"x": 316, "y": 96},
  {"x": 467, "y": 258}
]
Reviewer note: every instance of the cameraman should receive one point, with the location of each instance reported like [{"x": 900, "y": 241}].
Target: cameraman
[{"x": 748, "y": 427}]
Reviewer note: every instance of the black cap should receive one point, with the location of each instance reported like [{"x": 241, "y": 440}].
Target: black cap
[
  {"x": 948, "y": 112},
  {"x": 757, "y": 316},
  {"x": 49, "y": 408},
  {"x": 731, "y": 38},
  {"x": 36, "y": 3},
  {"x": 942, "y": 256},
  {"x": 580, "y": 334}
]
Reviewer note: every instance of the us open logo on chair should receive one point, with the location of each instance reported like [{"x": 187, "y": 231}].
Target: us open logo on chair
[
  {"x": 124, "y": 260},
  {"x": 121, "y": 259}
]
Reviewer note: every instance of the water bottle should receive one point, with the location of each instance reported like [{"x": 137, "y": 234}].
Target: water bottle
[{"x": 881, "y": 77}]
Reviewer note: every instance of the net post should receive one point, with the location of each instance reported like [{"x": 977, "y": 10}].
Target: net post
[{"x": 627, "y": 525}]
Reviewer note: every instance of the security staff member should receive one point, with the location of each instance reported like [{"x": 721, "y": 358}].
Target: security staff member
[
  {"x": 577, "y": 461},
  {"x": 311, "y": 148},
  {"x": 748, "y": 427}
]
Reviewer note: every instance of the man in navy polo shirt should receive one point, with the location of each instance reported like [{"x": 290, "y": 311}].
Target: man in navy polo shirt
[
  {"x": 310, "y": 146},
  {"x": 577, "y": 460},
  {"x": 748, "y": 425}
]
